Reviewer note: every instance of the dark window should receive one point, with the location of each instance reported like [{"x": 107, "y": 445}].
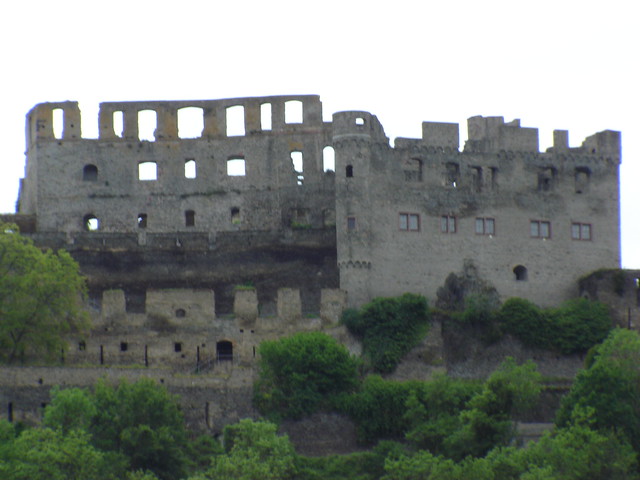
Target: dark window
[
  {"x": 177, "y": 347},
  {"x": 547, "y": 179},
  {"x": 224, "y": 351},
  {"x": 142, "y": 220},
  {"x": 520, "y": 273},
  {"x": 189, "y": 218},
  {"x": 582, "y": 176},
  {"x": 349, "y": 171},
  {"x": 452, "y": 174},
  {"x": 90, "y": 173},
  {"x": 124, "y": 346},
  {"x": 351, "y": 223},
  {"x": 235, "y": 216},
  {"x": 82, "y": 346},
  {"x": 181, "y": 313}
]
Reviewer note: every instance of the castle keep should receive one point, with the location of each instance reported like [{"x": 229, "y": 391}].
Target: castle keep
[
  {"x": 205, "y": 227},
  {"x": 261, "y": 196}
]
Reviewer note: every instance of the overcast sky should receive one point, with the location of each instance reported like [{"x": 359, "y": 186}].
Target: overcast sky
[{"x": 556, "y": 64}]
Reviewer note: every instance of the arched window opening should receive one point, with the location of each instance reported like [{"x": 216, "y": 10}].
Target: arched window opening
[
  {"x": 90, "y": 173},
  {"x": 235, "y": 216},
  {"x": 181, "y": 313},
  {"x": 189, "y": 218},
  {"x": 91, "y": 222},
  {"x": 520, "y": 273},
  {"x": 328, "y": 159},
  {"x": 190, "y": 122},
  {"x": 349, "y": 171},
  {"x": 224, "y": 351}
]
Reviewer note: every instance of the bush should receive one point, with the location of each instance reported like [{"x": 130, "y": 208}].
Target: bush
[
  {"x": 299, "y": 374},
  {"x": 389, "y": 328},
  {"x": 525, "y": 321}
]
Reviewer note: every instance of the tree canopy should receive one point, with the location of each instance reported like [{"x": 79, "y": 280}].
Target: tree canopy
[{"x": 41, "y": 296}]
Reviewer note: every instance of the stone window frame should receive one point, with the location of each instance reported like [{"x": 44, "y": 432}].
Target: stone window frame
[
  {"x": 581, "y": 231},
  {"x": 537, "y": 229},
  {"x": 408, "y": 222},
  {"x": 448, "y": 224}
]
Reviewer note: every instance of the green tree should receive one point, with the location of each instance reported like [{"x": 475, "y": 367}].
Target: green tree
[
  {"x": 69, "y": 409},
  {"x": 610, "y": 387},
  {"x": 40, "y": 298},
  {"x": 389, "y": 328},
  {"x": 579, "y": 324},
  {"x": 524, "y": 320},
  {"x": 300, "y": 373},
  {"x": 254, "y": 452}
]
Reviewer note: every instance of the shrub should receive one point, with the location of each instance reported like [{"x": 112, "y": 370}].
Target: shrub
[
  {"x": 526, "y": 321},
  {"x": 579, "y": 324},
  {"x": 300, "y": 373}
]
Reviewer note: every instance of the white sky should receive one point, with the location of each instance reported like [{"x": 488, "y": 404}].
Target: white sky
[{"x": 555, "y": 64}]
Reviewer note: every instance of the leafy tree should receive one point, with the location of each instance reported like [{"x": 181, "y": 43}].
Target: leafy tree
[
  {"x": 610, "y": 386},
  {"x": 69, "y": 409},
  {"x": 524, "y": 320},
  {"x": 40, "y": 298},
  {"x": 300, "y": 373},
  {"x": 389, "y": 328},
  {"x": 254, "y": 452},
  {"x": 579, "y": 324}
]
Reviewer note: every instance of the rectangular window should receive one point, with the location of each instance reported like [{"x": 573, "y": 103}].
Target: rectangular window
[
  {"x": 540, "y": 229},
  {"x": 485, "y": 226},
  {"x": 581, "y": 231},
  {"x": 448, "y": 224},
  {"x": 410, "y": 222},
  {"x": 351, "y": 223}
]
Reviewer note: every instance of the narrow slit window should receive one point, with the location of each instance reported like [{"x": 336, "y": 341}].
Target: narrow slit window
[
  {"x": 189, "y": 218},
  {"x": 57, "y": 118},
  {"x": 265, "y": 116},
  {"x": 190, "y": 168},
  {"x": 147, "y": 124},
  {"x": 236, "y": 167},
  {"x": 147, "y": 171},
  {"x": 293, "y": 111},
  {"x": 349, "y": 171},
  {"x": 190, "y": 122},
  {"x": 118, "y": 124},
  {"x": 235, "y": 216},
  {"x": 235, "y": 121}
]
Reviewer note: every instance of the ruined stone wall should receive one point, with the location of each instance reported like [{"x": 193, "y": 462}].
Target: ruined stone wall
[{"x": 410, "y": 215}]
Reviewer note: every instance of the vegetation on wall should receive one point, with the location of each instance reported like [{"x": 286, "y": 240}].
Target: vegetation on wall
[
  {"x": 302, "y": 373},
  {"x": 389, "y": 328},
  {"x": 41, "y": 297}
]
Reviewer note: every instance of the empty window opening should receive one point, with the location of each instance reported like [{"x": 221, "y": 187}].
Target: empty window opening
[
  {"x": 135, "y": 301},
  {"x": 359, "y": 121},
  {"x": 224, "y": 351},
  {"x": 328, "y": 159},
  {"x": 57, "y": 117},
  {"x": 91, "y": 223},
  {"x": 10, "y": 412},
  {"x": 190, "y": 122},
  {"x": 235, "y": 121},
  {"x": 235, "y": 216},
  {"x": 582, "y": 176},
  {"x": 265, "y": 116},
  {"x": 90, "y": 173},
  {"x": 581, "y": 231},
  {"x": 181, "y": 313},
  {"x": 142, "y": 220},
  {"x": 189, "y": 218},
  {"x": 147, "y": 171},
  {"x": 351, "y": 223},
  {"x": 236, "y": 167},
  {"x": 494, "y": 177},
  {"x": 101, "y": 354},
  {"x": 293, "y": 111},
  {"x": 147, "y": 124},
  {"x": 520, "y": 273},
  {"x": 412, "y": 170},
  {"x": 540, "y": 229},
  {"x": 452, "y": 174},
  {"x": 298, "y": 166},
  {"x": 349, "y": 171},
  {"x": 476, "y": 178},
  {"x": 448, "y": 224},
  {"x": 82, "y": 346},
  {"x": 190, "y": 168},
  {"x": 124, "y": 346},
  {"x": 409, "y": 222},
  {"x": 300, "y": 218},
  {"x": 485, "y": 226},
  {"x": 118, "y": 124},
  {"x": 177, "y": 347},
  {"x": 546, "y": 179}
]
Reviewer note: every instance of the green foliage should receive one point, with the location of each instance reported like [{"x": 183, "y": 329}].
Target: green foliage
[
  {"x": 609, "y": 388},
  {"x": 301, "y": 373},
  {"x": 254, "y": 452},
  {"x": 389, "y": 328},
  {"x": 72, "y": 408},
  {"x": 573, "y": 327},
  {"x": 40, "y": 298},
  {"x": 378, "y": 408}
]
